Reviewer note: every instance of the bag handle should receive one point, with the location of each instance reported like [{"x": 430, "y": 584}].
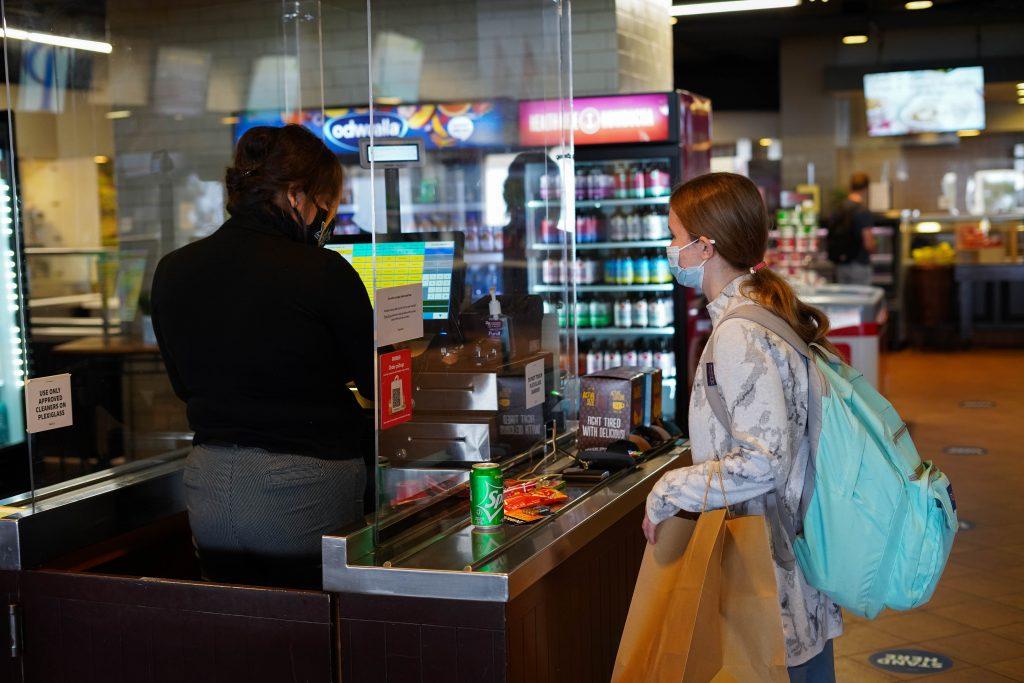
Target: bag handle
[{"x": 715, "y": 468}]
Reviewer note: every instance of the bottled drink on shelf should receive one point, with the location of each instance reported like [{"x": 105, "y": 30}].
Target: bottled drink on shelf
[
  {"x": 656, "y": 224},
  {"x": 549, "y": 271},
  {"x": 623, "y": 179},
  {"x": 550, "y": 186},
  {"x": 582, "y": 314},
  {"x": 660, "y": 312},
  {"x": 625, "y": 269},
  {"x": 486, "y": 238},
  {"x": 605, "y": 315},
  {"x": 642, "y": 269},
  {"x": 658, "y": 183},
  {"x": 499, "y": 236},
  {"x": 611, "y": 270},
  {"x": 631, "y": 354},
  {"x": 549, "y": 233},
  {"x": 634, "y": 226},
  {"x": 581, "y": 183},
  {"x": 607, "y": 183},
  {"x": 591, "y": 271},
  {"x": 472, "y": 238},
  {"x": 639, "y": 181},
  {"x": 661, "y": 273},
  {"x": 617, "y": 227},
  {"x": 645, "y": 355},
  {"x": 641, "y": 312},
  {"x": 613, "y": 356},
  {"x": 624, "y": 312}
]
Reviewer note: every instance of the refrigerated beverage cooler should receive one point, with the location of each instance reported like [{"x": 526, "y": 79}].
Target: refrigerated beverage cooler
[{"x": 630, "y": 151}]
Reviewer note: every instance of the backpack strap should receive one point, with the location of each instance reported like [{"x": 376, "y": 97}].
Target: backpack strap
[{"x": 781, "y": 521}]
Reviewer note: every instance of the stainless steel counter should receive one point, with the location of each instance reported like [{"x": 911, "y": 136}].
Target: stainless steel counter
[{"x": 451, "y": 560}]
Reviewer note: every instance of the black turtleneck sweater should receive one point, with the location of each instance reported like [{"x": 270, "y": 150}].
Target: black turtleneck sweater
[{"x": 260, "y": 333}]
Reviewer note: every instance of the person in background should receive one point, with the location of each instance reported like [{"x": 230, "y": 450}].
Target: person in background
[
  {"x": 261, "y": 330},
  {"x": 719, "y": 229},
  {"x": 850, "y": 240}
]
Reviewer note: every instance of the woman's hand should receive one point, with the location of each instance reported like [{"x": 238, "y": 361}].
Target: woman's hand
[{"x": 650, "y": 530}]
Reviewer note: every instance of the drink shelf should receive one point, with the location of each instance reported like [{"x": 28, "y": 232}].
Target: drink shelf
[
  {"x": 598, "y": 203},
  {"x": 636, "y": 244},
  {"x": 622, "y": 289},
  {"x": 624, "y": 331}
]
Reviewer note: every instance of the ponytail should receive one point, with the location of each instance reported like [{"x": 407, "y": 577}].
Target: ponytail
[
  {"x": 775, "y": 294},
  {"x": 729, "y": 209}
]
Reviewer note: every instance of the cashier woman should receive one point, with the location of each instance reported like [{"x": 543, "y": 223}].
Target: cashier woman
[
  {"x": 261, "y": 330},
  {"x": 720, "y": 234}
]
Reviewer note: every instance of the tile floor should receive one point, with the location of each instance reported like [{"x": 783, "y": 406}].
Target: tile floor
[{"x": 976, "y": 617}]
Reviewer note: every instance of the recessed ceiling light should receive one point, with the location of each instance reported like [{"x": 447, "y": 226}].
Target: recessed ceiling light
[
  {"x": 695, "y": 8},
  {"x": 765, "y": 142},
  {"x": 674, "y": 20},
  {"x": 919, "y": 4},
  {"x": 1020, "y": 100},
  {"x": 855, "y": 40},
  {"x": 968, "y": 133},
  {"x": 120, "y": 114},
  {"x": 101, "y": 159}
]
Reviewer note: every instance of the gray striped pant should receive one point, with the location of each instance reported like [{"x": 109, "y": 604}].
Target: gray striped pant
[{"x": 258, "y": 517}]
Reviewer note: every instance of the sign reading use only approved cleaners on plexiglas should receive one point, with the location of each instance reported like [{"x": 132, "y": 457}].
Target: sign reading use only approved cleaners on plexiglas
[{"x": 47, "y": 403}]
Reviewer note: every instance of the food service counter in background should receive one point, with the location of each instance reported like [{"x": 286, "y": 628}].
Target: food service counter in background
[{"x": 101, "y": 580}]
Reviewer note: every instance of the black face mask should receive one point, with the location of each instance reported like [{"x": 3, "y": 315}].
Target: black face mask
[{"x": 319, "y": 230}]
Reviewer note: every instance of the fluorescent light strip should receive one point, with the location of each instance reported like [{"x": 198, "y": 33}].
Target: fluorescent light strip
[
  {"x": 697, "y": 8},
  {"x": 58, "y": 41}
]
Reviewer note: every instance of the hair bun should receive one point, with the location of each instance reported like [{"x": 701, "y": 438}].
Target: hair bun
[{"x": 255, "y": 146}]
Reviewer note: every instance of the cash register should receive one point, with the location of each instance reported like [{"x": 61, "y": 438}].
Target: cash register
[{"x": 468, "y": 406}]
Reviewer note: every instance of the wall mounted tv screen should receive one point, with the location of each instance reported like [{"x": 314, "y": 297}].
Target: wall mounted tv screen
[{"x": 932, "y": 101}]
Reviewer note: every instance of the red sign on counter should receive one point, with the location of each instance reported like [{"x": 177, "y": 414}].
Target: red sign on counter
[
  {"x": 597, "y": 120},
  {"x": 395, "y": 388}
]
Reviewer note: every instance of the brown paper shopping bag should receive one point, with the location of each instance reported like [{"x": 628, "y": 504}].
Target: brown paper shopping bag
[
  {"x": 675, "y": 610},
  {"x": 705, "y": 606},
  {"x": 753, "y": 645}
]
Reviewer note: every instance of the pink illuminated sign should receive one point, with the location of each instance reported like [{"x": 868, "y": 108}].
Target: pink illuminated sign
[{"x": 596, "y": 120}]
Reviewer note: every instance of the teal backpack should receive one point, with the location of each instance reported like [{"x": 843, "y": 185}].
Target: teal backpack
[{"x": 875, "y": 524}]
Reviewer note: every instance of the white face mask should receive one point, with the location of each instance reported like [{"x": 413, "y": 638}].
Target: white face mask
[{"x": 687, "y": 277}]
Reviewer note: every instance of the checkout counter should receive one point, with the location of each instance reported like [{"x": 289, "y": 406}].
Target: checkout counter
[{"x": 101, "y": 579}]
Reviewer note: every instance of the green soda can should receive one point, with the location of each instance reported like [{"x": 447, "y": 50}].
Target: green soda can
[{"x": 487, "y": 496}]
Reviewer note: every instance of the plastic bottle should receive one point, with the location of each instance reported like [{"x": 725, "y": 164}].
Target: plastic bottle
[
  {"x": 613, "y": 357},
  {"x": 581, "y": 184},
  {"x": 665, "y": 360},
  {"x": 549, "y": 271},
  {"x": 645, "y": 357},
  {"x": 642, "y": 269},
  {"x": 661, "y": 274},
  {"x": 631, "y": 356},
  {"x": 583, "y": 314},
  {"x": 611, "y": 270},
  {"x": 641, "y": 311},
  {"x": 652, "y": 225},
  {"x": 548, "y": 231},
  {"x": 486, "y": 238},
  {"x": 624, "y": 312},
  {"x": 638, "y": 181},
  {"x": 622, "y": 182},
  {"x": 625, "y": 270},
  {"x": 499, "y": 236},
  {"x": 634, "y": 226},
  {"x": 617, "y": 227},
  {"x": 472, "y": 238},
  {"x": 657, "y": 180}
]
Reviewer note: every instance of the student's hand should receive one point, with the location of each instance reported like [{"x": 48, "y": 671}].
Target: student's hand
[{"x": 650, "y": 530}]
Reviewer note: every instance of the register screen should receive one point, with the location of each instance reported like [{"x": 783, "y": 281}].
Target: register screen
[{"x": 403, "y": 263}]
